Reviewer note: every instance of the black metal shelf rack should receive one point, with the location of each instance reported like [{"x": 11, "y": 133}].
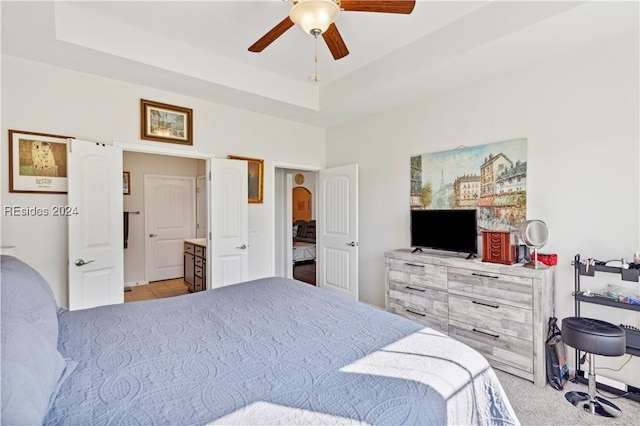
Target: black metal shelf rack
[{"x": 580, "y": 296}]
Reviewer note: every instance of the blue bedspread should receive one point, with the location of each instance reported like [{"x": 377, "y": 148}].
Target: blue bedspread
[{"x": 267, "y": 351}]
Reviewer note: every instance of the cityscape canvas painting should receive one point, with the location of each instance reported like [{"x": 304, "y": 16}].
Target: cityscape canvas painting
[
  {"x": 165, "y": 123},
  {"x": 491, "y": 178}
]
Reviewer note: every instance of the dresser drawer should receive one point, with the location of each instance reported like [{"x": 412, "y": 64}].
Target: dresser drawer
[
  {"x": 198, "y": 271},
  {"x": 189, "y": 248},
  {"x": 417, "y": 274},
  {"x": 199, "y": 261},
  {"x": 198, "y": 284},
  {"x": 419, "y": 314},
  {"x": 492, "y": 316},
  {"x": 424, "y": 300},
  {"x": 497, "y": 237},
  {"x": 494, "y": 254},
  {"x": 500, "y": 349},
  {"x": 200, "y": 251},
  {"x": 516, "y": 291}
]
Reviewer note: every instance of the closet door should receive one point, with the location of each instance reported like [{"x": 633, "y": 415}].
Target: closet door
[
  {"x": 96, "y": 265},
  {"x": 229, "y": 228}
]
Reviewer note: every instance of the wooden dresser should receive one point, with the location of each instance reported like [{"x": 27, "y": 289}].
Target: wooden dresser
[
  {"x": 195, "y": 266},
  {"x": 502, "y": 311}
]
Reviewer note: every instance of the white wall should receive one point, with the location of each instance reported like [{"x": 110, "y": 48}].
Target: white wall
[
  {"x": 139, "y": 164},
  {"x": 42, "y": 98},
  {"x": 580, "y": 115}
]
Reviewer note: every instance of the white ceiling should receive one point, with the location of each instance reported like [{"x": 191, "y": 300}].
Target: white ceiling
[{"x": 200, "y": 48}]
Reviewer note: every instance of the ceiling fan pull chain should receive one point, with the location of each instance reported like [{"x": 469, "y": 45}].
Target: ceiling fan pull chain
[{"x": 315, "y": 58}]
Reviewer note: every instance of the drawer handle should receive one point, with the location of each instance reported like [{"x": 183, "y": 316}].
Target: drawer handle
[
  {"x": 496, "y": 246},
  {"x": 488, "y": 334},
  {"x": 416, "y": 289},
  {"x": 495, "y": 277},
  {"x": 413, "y": 264},
  {"x": 415, "y": 313},
  {"x": 486, "y": 304}
]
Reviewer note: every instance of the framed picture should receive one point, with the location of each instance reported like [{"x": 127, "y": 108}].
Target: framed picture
[
  {"x": 37, "y": 162},
  {"x": 256, "y": 176},
  {"x": 165, "y": 123},
  {"x": 126, "y": 183}
]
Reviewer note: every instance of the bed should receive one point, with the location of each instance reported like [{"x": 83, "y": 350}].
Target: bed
[{"x": 269, "y": 351}]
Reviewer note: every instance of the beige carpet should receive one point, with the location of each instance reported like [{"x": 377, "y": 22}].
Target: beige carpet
[{"x": 546, "y": 406}]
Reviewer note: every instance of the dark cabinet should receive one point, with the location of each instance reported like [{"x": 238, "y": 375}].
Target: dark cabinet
[{"x": 195, "y": 267}]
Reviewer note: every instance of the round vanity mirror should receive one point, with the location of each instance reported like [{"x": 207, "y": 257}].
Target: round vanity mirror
[{"x": 535, "y": 234}]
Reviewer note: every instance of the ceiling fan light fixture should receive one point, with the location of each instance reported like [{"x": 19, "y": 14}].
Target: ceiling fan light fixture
[{"x": 314, "y": 16}]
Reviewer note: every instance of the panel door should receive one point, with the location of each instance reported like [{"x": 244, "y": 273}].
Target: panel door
[
  {"x": 169, "y": 206},
  {"x": 229, "y": 228},
  {"x": 337, "y": 233},
  {"x": 96, "y": 240}
]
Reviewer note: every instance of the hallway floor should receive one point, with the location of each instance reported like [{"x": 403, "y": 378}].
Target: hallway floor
[
  {"x": 156, "y": 290},
  {"x": 305, "y": 271}
]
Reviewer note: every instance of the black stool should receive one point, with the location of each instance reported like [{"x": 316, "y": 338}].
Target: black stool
[{"x": 594, "y": 337}]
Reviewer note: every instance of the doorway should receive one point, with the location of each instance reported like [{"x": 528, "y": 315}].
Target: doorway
[
  {"x": 295, "y": 230},
  {"x": 161, "y": 205},
  {"x": 336, "y": 208},
  {"x": 304, "y": 231},
  {"x": 302, "y": 201}
]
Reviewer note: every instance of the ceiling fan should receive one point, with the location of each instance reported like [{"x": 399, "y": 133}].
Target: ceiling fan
[{"x": 318, "y": 17}]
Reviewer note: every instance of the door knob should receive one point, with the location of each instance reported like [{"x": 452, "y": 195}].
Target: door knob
[
  {"x": 242, "y": 247},
  {"x": 153, "y": 235},
  {"x": 352, "y": 244},
  {"x": 80, "y": 262}
]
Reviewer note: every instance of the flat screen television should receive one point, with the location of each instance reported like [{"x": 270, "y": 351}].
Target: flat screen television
[{"x": 450, "y": 230}]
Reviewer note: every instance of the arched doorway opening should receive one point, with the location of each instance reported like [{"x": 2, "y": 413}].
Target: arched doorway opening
[{"x": 301, "y": 204}]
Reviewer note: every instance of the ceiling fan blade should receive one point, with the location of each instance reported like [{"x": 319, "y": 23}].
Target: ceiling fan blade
[
  {"x": 272, "y": 35},
  {"x": 385, "y": 6},
  {"x": 335, "y": 43}
]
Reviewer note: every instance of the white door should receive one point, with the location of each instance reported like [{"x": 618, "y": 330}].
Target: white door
[
  {"x": 337, "y": 232},
  {"x": 169, "y": 219},
  {"x": 229, "y": 228},
  {"x": 95, "y": 220},
  {"x": 201, "y": 207},
  {"x": 289, "y": 227}
]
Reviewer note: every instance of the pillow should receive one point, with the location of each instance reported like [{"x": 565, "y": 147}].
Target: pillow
[
  {"x": 25, "y": 293},
  {"x": 302, "y": 229},
  {"x": 31, "y": 371}
]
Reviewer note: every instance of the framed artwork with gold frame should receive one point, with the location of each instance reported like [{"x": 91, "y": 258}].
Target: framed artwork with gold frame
[
  {"x": 255, "y": 169},
  {"x": 166, "y": 123}
]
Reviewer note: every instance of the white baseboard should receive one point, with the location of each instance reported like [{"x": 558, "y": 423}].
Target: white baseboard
[
  {"x": 135, "y": 283},
  {"x": 606, "y": 381},
  {"x": 373, "y": 306}
]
